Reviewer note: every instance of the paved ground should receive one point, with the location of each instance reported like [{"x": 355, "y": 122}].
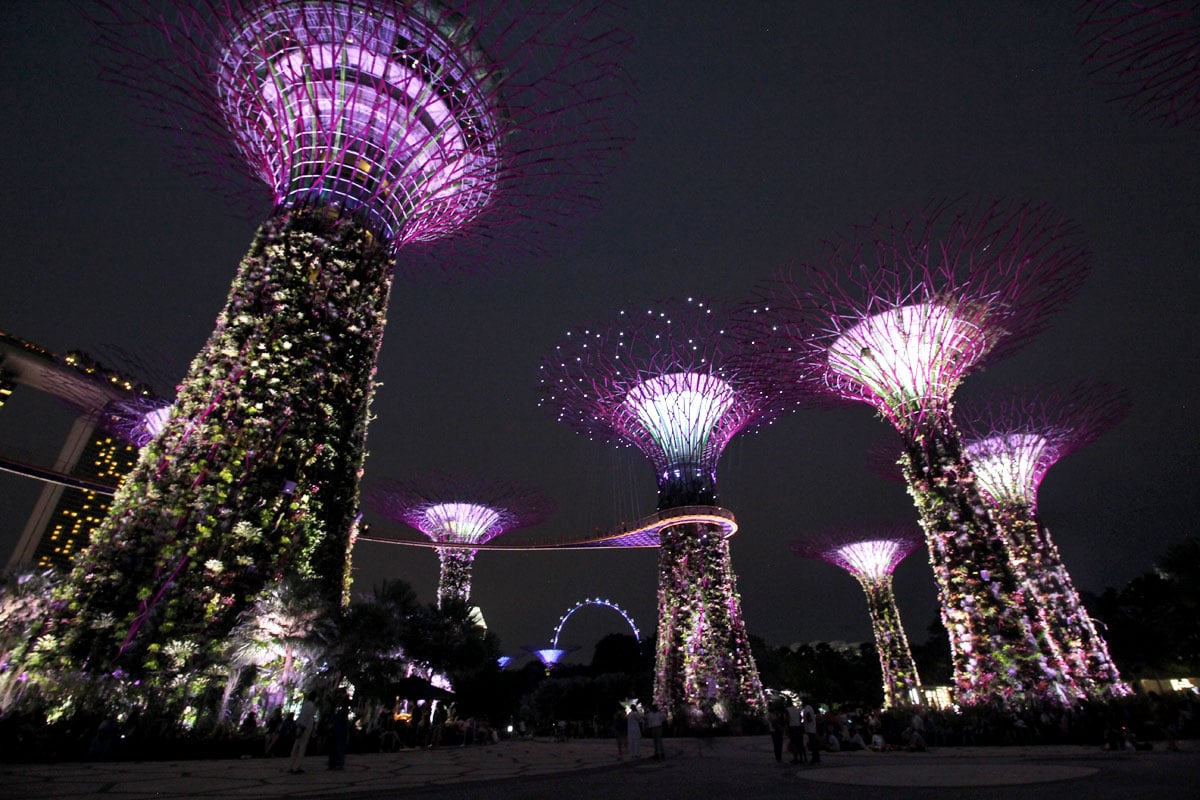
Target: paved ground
[{"x": 581, "y": 770}]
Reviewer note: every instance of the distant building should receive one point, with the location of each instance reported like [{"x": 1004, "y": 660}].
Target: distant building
[
  {"x": 63, "y": 518},
  {"x": 115, "y": 415},
  {"x": 6, "y": 387}
]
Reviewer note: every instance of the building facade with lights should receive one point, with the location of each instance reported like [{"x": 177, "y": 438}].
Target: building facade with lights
[{"x": 64, "y": 518}]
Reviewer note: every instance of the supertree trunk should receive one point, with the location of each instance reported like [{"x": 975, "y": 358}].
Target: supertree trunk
[
  {"x": 901, "y": 683},
  {"x": 255, "y": 476},
  {"x": 1084, "y": 649},
  {"x": 703, "y": 666},
  {"x": 1001, "y": 653},
  {"x": 454, "y": 581}
]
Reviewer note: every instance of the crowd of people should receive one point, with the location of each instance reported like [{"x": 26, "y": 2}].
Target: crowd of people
[
  {"x": 632, "y": 722},
  {"x": 799, "y": 729},
  {"x": 1129, "y": 723}
]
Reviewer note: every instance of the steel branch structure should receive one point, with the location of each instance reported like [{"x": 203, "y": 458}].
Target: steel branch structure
[
  {"x": 136, "y": 420},
  {"x": 379, "y": 127},
  {"x": 894, "y": 315},
  {"x": 871, "y": 554},
  {"x": 458, "y": 510},
  {"x": 1148, "y": 51},
  {"x": 1011, "y": 440},
  {"x": 677, "y": 385}
]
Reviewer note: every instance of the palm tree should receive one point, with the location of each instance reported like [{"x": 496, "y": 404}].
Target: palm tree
[
  {"x": 370, "y": 650},
  {"x": 289, "y": 626}
]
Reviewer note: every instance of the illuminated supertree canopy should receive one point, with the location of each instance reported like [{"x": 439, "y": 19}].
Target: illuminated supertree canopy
[
  {"x": 676, "y": 384},
  {"x": 871, "y": 553},
  {"x": 550, "y": 656},
  {"x": 137, "y": 420},
  {"x": 672, "y": 382},
  {"x": 458, "y": 511},
  {"x": 1011, "y": 440},
  {"x": 895, "y": 315},
  {"x": 1149, "y": 53},
  {"x": 379, "y": 126}
]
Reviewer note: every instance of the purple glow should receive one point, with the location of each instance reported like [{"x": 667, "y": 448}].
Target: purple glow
[
  {"x": 550, "y": 656},
  {"x": 399, "y": 114},
  {"x": 678, "y": 386},
  {"x": 895, "y": 314},
  {"x": 871, "y": 555},
  {"x": 1012, "y": 440},
  {"x": 154, "y": 421},
  {"x": 136, "y": 420}
]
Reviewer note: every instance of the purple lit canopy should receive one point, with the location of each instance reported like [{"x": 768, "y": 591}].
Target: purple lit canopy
[
  {"x": 1013, "y": 437},
  {"x": 869, "y": 553},
  {"x": 428, "y": 119},
  {"x": 457, "y": 509},
  {"x": 672, "y": 381},
  {"x": 898, "y": 311}
]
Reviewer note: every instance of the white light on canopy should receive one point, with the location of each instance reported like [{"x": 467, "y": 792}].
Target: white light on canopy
[
  {"x": 871, "y": 559},
  {"x": 907, "y": 353},
  {"x": 1009, "y": 467},
  {"x": 468, "y": 523},
  {"x": 681, "y": 410},
  {"x": 154, "y": 421}
]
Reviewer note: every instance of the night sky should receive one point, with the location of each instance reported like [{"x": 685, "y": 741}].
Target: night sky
[{"x": 761, "y": 128}]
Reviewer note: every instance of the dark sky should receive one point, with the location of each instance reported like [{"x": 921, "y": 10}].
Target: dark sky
[{"x": 762, "y": 127}]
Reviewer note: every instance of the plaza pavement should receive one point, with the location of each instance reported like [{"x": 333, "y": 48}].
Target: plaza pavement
[{"x": 737, "y": 768}]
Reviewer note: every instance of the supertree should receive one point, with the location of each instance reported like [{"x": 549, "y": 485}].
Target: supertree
[
  {"x": 380, "y": 127},
  {"x": 136, "y": 420},
  {"x": 1011, "y": 439},
  {"x": 871, "y": 553},
  {"x": 676, "y": 385},
  {"x": 458, "y": 511},
  {"x": 1148, "y": 51},
  {"x": 894, "y": 315}
]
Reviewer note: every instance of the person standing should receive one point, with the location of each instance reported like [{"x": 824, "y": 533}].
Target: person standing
[
  {"x": 339, "y": 733},
  {"x": 635, "y": 729},
  {"x": 620, "y": 727},
  {"x": 655, "y": 720},
  {"x": 304, "y": 728},
  {"x": 795, "y": 732},
  {"x": 274, "y": 730},
  {"x": 777, "y": 724},
  {"x": 809, "y": 718}
]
